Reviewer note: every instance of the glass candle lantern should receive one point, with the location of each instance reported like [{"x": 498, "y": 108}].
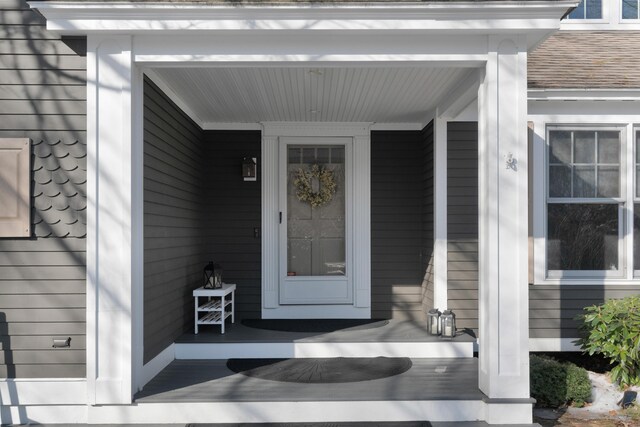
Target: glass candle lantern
[
  {"x": 208, "y": 276},
  {"x": 448, "y": 324},
  {"x": 433, "y": 321}
]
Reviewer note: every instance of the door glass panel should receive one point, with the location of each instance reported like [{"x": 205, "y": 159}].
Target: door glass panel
[{"x": 316, "y": 210}]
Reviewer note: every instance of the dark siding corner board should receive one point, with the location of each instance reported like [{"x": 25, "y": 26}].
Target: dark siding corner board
[{"x": 42, "y": 279}]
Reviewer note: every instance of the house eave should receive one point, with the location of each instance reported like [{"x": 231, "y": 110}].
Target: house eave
[{"x": 462, "y": 17}]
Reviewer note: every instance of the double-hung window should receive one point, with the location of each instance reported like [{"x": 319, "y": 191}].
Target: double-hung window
[
  {"x": 587, "y": 9},
  {"x": 586, "y": 189}
]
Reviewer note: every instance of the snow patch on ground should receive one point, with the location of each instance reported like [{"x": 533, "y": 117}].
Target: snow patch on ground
[{"x": 605, "y": 397}]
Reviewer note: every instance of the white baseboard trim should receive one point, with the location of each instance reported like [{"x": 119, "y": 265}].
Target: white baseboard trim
[
  {"x": 552, "y": 344},
  {"x": 274, "y": 412},
  {"x": 43, "y": 391},
  {"x": 44, "y": 414},
  {"x": 333, "y": 349},
  {"x": 156, "y": 365}
]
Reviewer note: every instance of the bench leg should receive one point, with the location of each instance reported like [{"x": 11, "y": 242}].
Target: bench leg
[{"x": 196, "y": 314}]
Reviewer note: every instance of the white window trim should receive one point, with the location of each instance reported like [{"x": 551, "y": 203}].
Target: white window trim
[
  {"x": 540, "y": 157},
  {"x": 617, "y": 9}
]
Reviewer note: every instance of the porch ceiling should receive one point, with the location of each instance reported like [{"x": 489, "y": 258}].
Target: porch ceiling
[{"x": 251, "y": 95}]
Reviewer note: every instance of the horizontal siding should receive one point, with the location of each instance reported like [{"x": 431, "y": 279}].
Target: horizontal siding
[
  {"x": 462, "y": 222},
  {"x": 42, "y": 297},
  {"x": 232, "y": 211},
  {"x": 397, "y": 267},
  {"x": 173, "y": 200},
  {"x": 552, "y": 309},
  {"x": 42, "y": 280}
]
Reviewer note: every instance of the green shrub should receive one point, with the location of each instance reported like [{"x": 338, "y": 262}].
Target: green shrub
[
  {"x": 612, "y": 329},
  {"x": 554, "y": 384}
]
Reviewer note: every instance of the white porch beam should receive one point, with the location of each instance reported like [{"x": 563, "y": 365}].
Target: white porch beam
[
  {"x": 440, "y": 249},
  {"x": 455, "y": 102},
  {"x": 503, "y": 244},
  {"x": 114, "y": 238},
  {"x": 471, "y": 18}
]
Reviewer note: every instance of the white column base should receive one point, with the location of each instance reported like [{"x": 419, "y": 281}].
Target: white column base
[{"x": 509, "y": 411}]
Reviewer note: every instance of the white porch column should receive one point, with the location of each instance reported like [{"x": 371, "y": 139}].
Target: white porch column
[
  {"x": 503, "y": 285},
  {"x": 440, "y": 203},
  {"x": 114, "y": 218}
]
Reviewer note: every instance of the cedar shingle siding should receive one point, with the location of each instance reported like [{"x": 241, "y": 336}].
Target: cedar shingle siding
[
  {"x": 586, "y": 60},
  {"x": 42, "y": 279}
]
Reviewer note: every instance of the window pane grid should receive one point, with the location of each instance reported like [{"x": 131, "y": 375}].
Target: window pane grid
[
  {"x": 588, "y": 9},
  {"x": 584, "y": 164},
  {"x": 630, "y": 9}
]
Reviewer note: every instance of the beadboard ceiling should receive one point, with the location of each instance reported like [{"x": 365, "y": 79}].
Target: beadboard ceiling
[{"x": 251, "y": 95}]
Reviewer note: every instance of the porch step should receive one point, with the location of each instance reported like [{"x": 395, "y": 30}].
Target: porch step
[
  {"x": 197, "y": 391},
  {"x": 396, "y": 339}
]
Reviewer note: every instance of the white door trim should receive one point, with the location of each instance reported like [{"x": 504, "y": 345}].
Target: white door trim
[
  {"x": 361, "y": 219},
  {"x": 341, "y": 284}
]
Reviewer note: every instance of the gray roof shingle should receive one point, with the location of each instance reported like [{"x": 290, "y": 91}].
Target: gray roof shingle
[{"x": 586, "y": 60}]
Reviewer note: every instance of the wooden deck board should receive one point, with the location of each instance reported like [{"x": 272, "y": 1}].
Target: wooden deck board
[{"x": 211, "y": 381}]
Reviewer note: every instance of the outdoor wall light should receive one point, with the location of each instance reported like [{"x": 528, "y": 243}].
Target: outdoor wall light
[
  {"x": 249, "y": 169},
  {"x": 433, "y": 322},
  {"x": 448, "y": 324}
]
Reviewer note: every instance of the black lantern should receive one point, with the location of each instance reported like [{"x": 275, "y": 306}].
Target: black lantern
[
  {"x": 212, "y": 276},
  {"x": 448, "y": 324},
  {"x": 249, "y": 169},
  {"x": 433, "y": 321}
]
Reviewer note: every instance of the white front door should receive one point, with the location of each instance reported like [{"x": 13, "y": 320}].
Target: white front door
[{"x": 315, "y": 262}]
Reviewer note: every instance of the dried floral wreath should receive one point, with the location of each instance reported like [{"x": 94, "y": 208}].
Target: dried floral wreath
[{"x": 304, "y": 190}]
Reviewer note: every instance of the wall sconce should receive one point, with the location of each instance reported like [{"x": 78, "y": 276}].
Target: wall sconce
[{"x": 249, "y": 169}]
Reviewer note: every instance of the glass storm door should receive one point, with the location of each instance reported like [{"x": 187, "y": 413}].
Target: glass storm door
[{"x": 314, "y": 229}]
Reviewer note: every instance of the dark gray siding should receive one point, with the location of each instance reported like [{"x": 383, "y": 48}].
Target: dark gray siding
[
  {"x": 397, "y": 268},
  {"x": 232, "y": 212},
  {"x": 462, "y": 221},
  {"x": 173, "y": 206},
  {"x": 42, "y": 279},
  {"x": 427, "y": 217}
]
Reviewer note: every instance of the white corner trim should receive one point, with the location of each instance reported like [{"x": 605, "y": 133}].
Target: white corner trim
[
  {"x": 157, "y": 364},
  {"x": 173, "y": 96},
  {"x": 440, "y": 242},
  {"x": 231, "y": 126},
  {"x": 43, "y": 391},
  {"x": 398, "y": 126},
  {"x": 259, "y": 126},
  {"x": 553, "y": 344},
  {"x": 348, "y": 129}
]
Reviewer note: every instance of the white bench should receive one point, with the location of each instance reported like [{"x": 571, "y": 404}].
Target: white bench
[{"x": 214, "y": 310}]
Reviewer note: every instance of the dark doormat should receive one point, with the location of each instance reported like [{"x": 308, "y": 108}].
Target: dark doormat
[
  {"x": 314, "y": 325},
  {"x": 321, "y": 371}
]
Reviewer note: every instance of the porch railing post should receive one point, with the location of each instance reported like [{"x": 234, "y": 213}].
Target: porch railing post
[{"x": 503, "y": 249}]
